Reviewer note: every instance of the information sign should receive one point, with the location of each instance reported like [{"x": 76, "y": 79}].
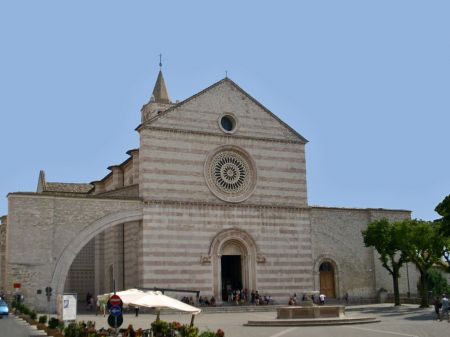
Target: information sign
[{"x": 116, "y": 310}]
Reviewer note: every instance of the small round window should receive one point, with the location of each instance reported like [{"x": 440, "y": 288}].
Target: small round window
[{"x": 227, "y": 123}]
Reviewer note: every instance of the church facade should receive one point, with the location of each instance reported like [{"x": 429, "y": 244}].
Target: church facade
[{"x": 214, "y": 198}]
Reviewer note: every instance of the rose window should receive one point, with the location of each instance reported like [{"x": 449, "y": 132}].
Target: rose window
[
  {"x": 230, "y": 171},
  {"x": 230, "y": 175}
]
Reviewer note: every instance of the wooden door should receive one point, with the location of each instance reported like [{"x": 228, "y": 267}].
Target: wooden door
[{"x": 327, "y": 283}]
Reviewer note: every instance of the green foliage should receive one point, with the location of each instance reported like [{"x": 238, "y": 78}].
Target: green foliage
[
  {"x": 53, "y": 323},
  {"x": 42, "y": 319},
  {"x": 22, "y": 308},
  {"x": 425, "y": 246},
  {"x": 388, "y": 239},
  {"x": 443, "y": 208},
  {"x": 74, "y": 329},
  {"x": 209, "y": 333},
  {"x": 160, "y": 327},
  {"x": 33, "y": 315},
  {"x": 437, "y": 283},
  {"x": 61, "y": 325},
  {"x": 188, "y": 331},
  {"x": 164, "y": 329}
]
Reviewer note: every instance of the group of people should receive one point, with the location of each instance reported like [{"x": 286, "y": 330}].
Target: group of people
[
  {"x": 240, "y": 296},
  {"x": 187, "y": 300},
  {"x": 441, "y": 307},
  {"x": 293, "y": 299},
  {"x": 204, "y": 301}
]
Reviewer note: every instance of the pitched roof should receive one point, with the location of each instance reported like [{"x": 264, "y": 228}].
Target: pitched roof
[
  {"x": 56, "y": 187},
  {"x": 67, "y": 187},
  {"x": 224, "y": 80}
]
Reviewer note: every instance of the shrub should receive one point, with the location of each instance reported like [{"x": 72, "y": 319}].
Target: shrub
[
  {"x": 33, "y": 314},
  {"x": 160, "y": 327},
  {"x": 53, "y": 323},
  {"x": 207, "y": 334},
  {"x": 73, "y": 330},
  {"x": 188, "y": 331},
  {"x": 61, "y": 325},
  {"x": 42, "y": 319}
]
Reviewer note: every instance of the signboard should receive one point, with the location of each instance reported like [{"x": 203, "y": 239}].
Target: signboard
[
  {"x": 115, "y": 300},
  {"x": 16, "y": 285},
  {"x": 67, "y": 307},
  {"x": 116, "y": 310},
  {"x": 115, "y": 321}
]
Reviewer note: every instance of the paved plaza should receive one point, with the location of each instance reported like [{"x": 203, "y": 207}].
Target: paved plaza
[{"x": 407, "y": 320}]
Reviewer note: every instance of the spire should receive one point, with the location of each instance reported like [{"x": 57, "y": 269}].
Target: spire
[{"x": 160, "y": 94}]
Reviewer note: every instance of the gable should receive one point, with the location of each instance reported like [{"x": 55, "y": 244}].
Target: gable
[{"x": 203, "y": 112}]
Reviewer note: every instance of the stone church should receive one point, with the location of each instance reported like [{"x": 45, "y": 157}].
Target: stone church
[{"x": 214, "y": 198}]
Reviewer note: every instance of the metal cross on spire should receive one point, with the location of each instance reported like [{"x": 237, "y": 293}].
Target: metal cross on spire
[{"x": 160, "y": 61}]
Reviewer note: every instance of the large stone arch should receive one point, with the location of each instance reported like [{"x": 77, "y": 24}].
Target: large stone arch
[
  {"x": 71, "y": 250},
  {"x": 249, "y": 250}
]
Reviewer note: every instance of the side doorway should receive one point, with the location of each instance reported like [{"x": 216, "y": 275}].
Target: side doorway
[{"x": 326, "y": 279}]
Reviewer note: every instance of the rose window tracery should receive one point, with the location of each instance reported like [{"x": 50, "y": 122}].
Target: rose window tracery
[{"x": 230, "y": 174}]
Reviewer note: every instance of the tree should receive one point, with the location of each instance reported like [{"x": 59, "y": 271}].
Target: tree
[
  {"x": 443, "y": 209},
  {"x": 437, "y": 283},
  {"x": 423, "y": 245},
  {"x": 386, "y": 238}
]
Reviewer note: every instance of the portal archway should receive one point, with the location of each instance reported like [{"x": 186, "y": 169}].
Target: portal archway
[
  {"x": 326, "y": 279},
  {"x": 327, "y": 276},
  {"x": 73, "y": 248},
  {"x": 235, "y": 251}
]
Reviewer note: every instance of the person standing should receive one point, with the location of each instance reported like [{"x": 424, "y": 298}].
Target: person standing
[
  {"x": 322, "y": 299},
  {"x": 437, "y": 306},
  {"x": 445, "y": 307}
]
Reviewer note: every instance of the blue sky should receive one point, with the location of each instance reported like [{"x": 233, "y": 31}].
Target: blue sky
[{"x": 366, "y": 82}]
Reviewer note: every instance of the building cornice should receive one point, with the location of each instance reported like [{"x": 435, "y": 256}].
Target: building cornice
[
  {"x": 221, "y": 205},
  {"x": 81, "y": 196},
  {"x": 222, "y": 136},
  {"x": 335, "y": 208}
]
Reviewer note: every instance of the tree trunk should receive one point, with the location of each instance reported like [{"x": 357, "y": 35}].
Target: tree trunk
[
  {"x": 423, "y": 290},
  {"x": 396, "y": 290}
]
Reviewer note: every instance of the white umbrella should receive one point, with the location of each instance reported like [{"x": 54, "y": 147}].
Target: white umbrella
[
  {"x": 155, "y": 299},
  {"x": 126, "y": 296}
]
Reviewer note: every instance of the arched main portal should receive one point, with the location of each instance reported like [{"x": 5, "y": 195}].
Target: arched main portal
[
  {"x": 233, "y": 252},
  {"x": 326, "y": 276},
  {"x": 232, "y": 267}
]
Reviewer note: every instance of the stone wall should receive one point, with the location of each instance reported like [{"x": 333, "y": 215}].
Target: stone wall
[
  {"x": 173, "y": 168},
  {"x": 178, "y": 247},
  {"x": 3, "y": 224},
  {"x": 81, "y": 277},
  {"x": 54, "y": 230},
  {"x": 336, "y": 236}
]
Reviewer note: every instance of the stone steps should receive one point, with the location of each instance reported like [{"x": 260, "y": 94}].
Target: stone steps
[{"x": 315, "y": 321}]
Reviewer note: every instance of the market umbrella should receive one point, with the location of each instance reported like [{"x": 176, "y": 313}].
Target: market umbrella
[
  {"x": 156, "y": 299},
  {"x": 126, "y": 296}
]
